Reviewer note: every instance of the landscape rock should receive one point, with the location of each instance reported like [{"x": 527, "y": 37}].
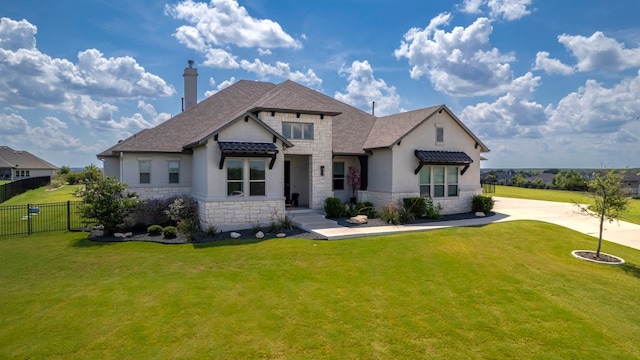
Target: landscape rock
[
  {"x": 480, "y": 214},
  {"x": 259, "y": 235},
  {"x": 234, "y": 235},
  {"x": 359, "y": 219},
  {"x": 119, "y": 235},
  {"x": 281, "y": 235}
]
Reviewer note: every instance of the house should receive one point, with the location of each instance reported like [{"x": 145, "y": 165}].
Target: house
[
  {"x": 543, "y": 178},
  {"x": 243, "y": 152},
  {"x": 18, "y": 164}
]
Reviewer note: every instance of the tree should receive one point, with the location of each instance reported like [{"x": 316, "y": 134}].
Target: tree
[
  {"x": 105, "y": 203},
  {"x": 64, "y": 170},
  {"x": 610, "y": 199}
]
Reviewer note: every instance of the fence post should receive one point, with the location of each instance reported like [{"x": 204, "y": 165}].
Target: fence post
[
  {"x": 28, "y": 219},
  {"x": 68, "y": 215}
]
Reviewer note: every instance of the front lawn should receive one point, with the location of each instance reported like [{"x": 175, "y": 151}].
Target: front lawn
[
  {"x": 507, "y": 290},
  {"x": 44, "y": 195},
  {"x": 631, "y": 215}
]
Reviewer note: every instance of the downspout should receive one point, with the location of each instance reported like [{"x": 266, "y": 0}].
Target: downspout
[{"x": 121, "y": 166}]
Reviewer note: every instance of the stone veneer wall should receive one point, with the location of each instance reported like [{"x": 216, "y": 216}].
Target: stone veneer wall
[
  {"x": 320, "y": 149},
  {"x": 147, "y": 193},
  {"x": 450, "y": 205},
  {"x": 238, "y": 215}
]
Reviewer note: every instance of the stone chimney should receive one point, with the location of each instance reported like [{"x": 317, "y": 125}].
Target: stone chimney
[{"x": 190, "y": 98}]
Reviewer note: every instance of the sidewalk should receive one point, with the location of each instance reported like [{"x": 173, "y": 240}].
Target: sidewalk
[{"x": 508, "y": 209}]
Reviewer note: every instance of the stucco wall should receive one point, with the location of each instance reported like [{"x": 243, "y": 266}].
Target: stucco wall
[
  {"x": 352, "y": 161},
  {"x": 159, "y": 169},
  {"x": 111, "y": 167}
]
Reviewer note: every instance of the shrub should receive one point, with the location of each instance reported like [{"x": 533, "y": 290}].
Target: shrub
[
  {"x": 416, "y": 206},
  {"x": 184, "y": 208},
  {"x": 189, "y": 228},
  {"x": 366, "y": 208},
  {"x": 481, "y": 203},
  {"x": 149, "y": 212},
  {"x": 333, "y": 207},
  {"x": 170, "y": 232},
  {"x": 154, "y": 230},
  {"x": 104, "y": 203},
  {"x": 285, "y": 223},
  {"x": 433, "y": 211},
  {"x": 73, "y": 178},
  {"x": 390, "y": 214}
]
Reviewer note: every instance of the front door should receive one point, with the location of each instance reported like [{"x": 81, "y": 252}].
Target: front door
[{"x": 287, "y": 181}]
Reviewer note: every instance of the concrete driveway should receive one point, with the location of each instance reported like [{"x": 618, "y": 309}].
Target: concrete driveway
[
  {"x": 569, "y": 216},
  {"x": 508, "y": 209}
]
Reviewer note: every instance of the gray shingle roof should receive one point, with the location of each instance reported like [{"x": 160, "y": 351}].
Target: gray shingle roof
[
  {"x": 10, "y": 158},
  {"x": 443, "y": 157},
  {"x": 353, "y": 129}
]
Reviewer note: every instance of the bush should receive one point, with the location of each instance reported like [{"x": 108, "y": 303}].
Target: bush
[
  {"x": 415, "y": 206},
  {"x": 212, "y": 230},
  {"x": 170, "y": 232},
  {"x": 481, "y": 203},
  {"x": 333, "y": 207},
  {"x": 184, "y": 208},
  {"x": 366, "y": 208},
  {"x": 390, "y": 214},
  {"x": 189, "y": 228},
  {"x": 149, "y": 212},
  {"x": 154, "y": 230},
  {"x": 432, "y": 212}
]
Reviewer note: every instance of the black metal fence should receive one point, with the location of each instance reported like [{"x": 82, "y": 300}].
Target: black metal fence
[
  {"x": 35, "y": 218},
  {"x": 9, "y": 190}
]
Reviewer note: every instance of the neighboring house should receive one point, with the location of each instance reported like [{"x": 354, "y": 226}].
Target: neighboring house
[
  {"x": 545, "y": 178},
  {"x": 631, "y": 181},
  {"x": 17, "y": 164},
  {"x": 243, "y": 152}
]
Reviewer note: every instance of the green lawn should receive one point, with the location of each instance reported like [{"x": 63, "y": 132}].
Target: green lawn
[
  {"x": 44, "y": 195},
  {"x": 631, "y": 215},
  {"x": 501, "y": 291}
]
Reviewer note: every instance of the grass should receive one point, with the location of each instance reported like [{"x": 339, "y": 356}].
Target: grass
[
  {"x": 44, "y": 195},
  {"x": 631, "y": 215},
  {"x": 507, "y": 290}
]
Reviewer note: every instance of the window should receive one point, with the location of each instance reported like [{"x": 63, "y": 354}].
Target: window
[
  {"x": 257, "y": 178},
  {"x": 297, "y": 131},
  {"x": 174, "y": 172},
  {"x": 145, "y": 171},
  {"x": 452, "y": 181},
  {"x": 439, "y": 181},
  {"x": 235, "y": 178},
  {"x": 425, "y": 181},
  {"x": 27, "y": 172},
  {"x": 338, "y": 176},
  {"x": 439, "y": 135}
]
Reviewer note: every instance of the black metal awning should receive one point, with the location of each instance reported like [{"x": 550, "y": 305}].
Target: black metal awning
[
  {"x": 248, "y": 149},
  {"x": 429, "y": 157}
]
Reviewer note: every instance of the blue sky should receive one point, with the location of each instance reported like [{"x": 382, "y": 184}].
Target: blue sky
[{"x": 543, "y": 83}]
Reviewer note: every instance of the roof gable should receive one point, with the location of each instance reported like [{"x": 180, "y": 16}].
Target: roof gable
[{"x": 22, "y": 159}]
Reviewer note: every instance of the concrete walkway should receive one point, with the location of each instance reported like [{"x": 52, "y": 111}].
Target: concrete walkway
[{"x": 508, "y": 209}]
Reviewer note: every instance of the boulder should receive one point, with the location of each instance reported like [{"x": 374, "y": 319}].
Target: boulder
[
  {"x": 234, "y": 235},
  {"x": 259, "y": 235},
  {"x": 359, "y": 219},
  {"x": 480, "y": 214},
  {"x": 281, "y": 235},
  {"x": 118, "y": 235}
]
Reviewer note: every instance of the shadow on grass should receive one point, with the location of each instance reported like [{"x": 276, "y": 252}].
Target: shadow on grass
[
  {"x": 227, "y": 242},
  {"x": 631, "y": 269},
  {"x": 86, "y": 243}
]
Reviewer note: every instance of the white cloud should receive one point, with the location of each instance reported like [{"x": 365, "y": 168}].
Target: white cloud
[
  {"x": 461, "y": 62},
  {"x": 222, "y": 85},
  {"x": 599, "y": 52},
  {"x": 511, "y": 115},
  {"x": 264, "y": 52},
  {"x": 498, "y": 9},
  {"x": 219, "y": 58},
  {"x": 596, "y": 109},
  {"x": 551, "y": 66},
  {"x": 364, "y": 88},
  {"x": 138, "y": 120},
  {"x": 223, "y": 22},
  {"x": 282, "y": 70},
  {"x": 32, "y": 79},
  {"x": 12, "y": 124}
]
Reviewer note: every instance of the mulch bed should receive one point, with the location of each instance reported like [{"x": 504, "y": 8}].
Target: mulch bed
[
  {"x": 606, "y": 258},
  {"x": 98, "y": 236}
]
